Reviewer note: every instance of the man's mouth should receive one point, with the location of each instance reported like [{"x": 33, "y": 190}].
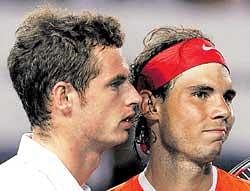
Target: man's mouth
[
  {"x": 219, "y": 133},
  {"x": 129, "y": 118}
]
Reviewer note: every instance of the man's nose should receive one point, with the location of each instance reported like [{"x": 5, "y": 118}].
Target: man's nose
[
  {"x": 221, "y": 108},
  {"x": 132, "y": 97}
]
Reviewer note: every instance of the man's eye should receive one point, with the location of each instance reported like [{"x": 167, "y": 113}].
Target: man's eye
[
  {"x": 201, "y": 94},
  {"x": 116, "y": 84}
]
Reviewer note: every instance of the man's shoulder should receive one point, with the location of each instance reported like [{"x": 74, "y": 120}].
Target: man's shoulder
[
  {"x": 9, "y": 165},
  {"x": 130, "y": 185},
  {"x": 15, "y": 165},
  {"x": 231, "y": 182},
  {"x": 18, "y": 175}
]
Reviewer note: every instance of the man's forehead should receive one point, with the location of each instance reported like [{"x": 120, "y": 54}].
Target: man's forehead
[
  {"x": 124, "y": 60},
  {"x": 110, "y": 61},
  {"x": 99, "y": 52},
  {"x": 212, "y": 68},
  {"x": 212, "y": 73}
]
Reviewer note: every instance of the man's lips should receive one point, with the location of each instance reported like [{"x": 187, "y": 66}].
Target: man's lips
[
  {"x": 128, "y": 120},
  {"x": 216, "y": 130},
  {"x": 219, "y": 133}
]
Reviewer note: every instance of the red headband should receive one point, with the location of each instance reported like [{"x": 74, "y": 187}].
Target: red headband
[{"x": 173, "y": 61}]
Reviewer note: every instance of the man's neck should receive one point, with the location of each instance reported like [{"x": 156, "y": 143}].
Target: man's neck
[
  {"x": 166, "y": 172},
  {"x": 79, "y": 159}
]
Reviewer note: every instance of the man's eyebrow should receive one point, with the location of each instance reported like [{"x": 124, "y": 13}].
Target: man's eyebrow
[
  {"x": 208, "y": 88},
  {"x": 119, "y": 78},
  {"x": 201, "y": 88}
]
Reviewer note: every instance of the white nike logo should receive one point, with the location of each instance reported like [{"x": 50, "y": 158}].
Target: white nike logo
[{"x": 206, "y": 48}]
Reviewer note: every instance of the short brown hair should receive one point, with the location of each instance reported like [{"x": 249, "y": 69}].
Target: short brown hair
[{"x": 55, "y": 45}]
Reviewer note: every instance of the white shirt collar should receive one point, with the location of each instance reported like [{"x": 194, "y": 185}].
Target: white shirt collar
[
  {"x": 215, "y": 175},
  {"x": 146, "y": 186},
  {"x": 48, "y": 163}
]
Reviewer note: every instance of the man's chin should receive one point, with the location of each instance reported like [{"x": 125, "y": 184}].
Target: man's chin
[
  {"x": 119, "y": 140},
  {"x": 210, "y": 157},
  {"x": 213, "y": 151}
]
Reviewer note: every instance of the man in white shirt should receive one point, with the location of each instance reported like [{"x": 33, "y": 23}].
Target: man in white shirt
[{"x": 73, "y": 83}]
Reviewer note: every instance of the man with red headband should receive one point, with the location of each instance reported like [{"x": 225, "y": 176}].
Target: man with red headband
[{"x": 186, "y": 110}]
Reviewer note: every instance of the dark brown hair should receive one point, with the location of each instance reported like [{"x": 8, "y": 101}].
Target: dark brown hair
[
  {"x": 55, "y": 45},
  {"x": 156, "y": 41}
]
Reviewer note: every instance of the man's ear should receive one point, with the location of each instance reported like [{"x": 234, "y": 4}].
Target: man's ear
[
  {"x": 62, "y": 97},
  {"x": 148, "y": 105}
]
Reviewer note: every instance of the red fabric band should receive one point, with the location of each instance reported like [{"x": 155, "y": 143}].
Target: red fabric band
[{"x": 173, "y": 61}]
